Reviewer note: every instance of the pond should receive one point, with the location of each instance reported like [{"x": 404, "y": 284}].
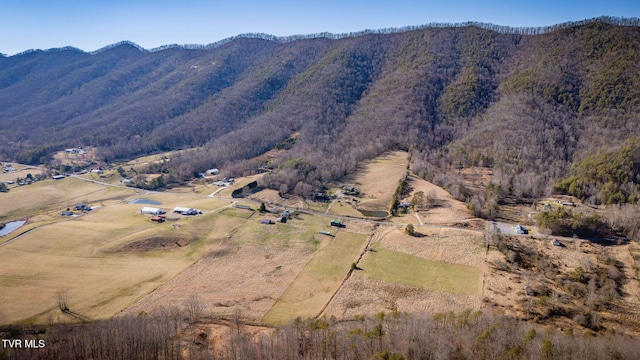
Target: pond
[
  {"x": 145, "y": 202},
  {"x": 11, "y": 226},
  {"x": 374, "y": 213}
]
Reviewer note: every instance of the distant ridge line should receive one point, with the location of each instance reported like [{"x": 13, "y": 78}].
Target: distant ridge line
[{"x": 528, "y": 30}]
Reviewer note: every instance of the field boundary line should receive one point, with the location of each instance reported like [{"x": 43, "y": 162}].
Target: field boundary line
[{"x": 357, "y": 262}]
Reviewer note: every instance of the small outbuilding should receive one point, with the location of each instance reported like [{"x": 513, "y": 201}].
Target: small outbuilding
[
  {"x": 266, "y": 221},
  {"x": 337, "y": 223}
]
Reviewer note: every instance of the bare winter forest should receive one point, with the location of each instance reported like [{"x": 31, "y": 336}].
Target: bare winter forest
[
  {"x": 465, "y": 335},
  {"x": 527, "y": 103}
]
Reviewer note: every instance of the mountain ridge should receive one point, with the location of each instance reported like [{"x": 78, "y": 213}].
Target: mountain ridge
[
  {"x": 527, "y": 104},
  {"x": 622, "y": 21}
]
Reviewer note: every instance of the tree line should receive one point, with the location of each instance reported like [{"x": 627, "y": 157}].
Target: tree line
[{"x": 392, "y": 335}]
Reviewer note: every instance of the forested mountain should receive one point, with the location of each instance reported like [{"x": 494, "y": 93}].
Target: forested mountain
[{"x": 526, "y": 102}]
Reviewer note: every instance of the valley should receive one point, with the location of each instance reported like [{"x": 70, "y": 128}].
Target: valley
[
  {"x": 463, "y": 191},
  {"x": 114, "y": 261}
]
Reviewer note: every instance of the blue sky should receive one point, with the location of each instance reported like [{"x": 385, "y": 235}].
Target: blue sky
[{"x": 93, "y": 24}]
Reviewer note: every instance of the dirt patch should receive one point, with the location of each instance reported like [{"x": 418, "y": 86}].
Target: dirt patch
[{"x": 155, "y": 243}]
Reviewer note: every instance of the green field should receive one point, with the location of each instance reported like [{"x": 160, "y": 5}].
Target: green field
[
  {"x": 319, "y": 279},
  {"x": 401, "y": 268}
]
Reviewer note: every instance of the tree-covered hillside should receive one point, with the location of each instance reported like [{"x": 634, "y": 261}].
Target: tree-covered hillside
[
  {"x": 610, "y": 177},
  {"x": 526, "y": 102}
]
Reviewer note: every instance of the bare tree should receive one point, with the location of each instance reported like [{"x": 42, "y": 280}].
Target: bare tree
[
  {"x": 194, "y": 308},
  {"x": 236, "y": 319}
]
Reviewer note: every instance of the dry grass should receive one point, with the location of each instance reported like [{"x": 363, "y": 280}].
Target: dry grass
[
  {"x": 389, "y": 288},
  {"x": 170, "y": 200},
  {"x": 275, "y": 255},
  {"x": 343, "y": 209},
  {"x": 379, "y": 178},
  {"x": 21, "y": 172},
  {"x": 302, "y": 230},
  {"x": 55, "y": 195},
  {"x": 318, "y": 280},
  {"x": 401, "y": 268},
  {"x": 362, "y": 295},
  {"x": 453, "y": 246},
  {"x": 249, "y": 278},
  {"x": 449, "y": 210},
  {"x": 84, "y": 257}
]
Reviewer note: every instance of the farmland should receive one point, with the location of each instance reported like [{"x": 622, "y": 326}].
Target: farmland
[
  {"x": 319, "y": 279},
  {"x": 113, "y": 259}
]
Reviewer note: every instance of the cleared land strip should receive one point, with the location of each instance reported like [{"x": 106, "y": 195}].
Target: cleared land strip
[{"x": 318, "y": 281}]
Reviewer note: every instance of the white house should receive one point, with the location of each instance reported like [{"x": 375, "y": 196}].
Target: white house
[
  {"x": 151, "y": 211},
  {"x": 213, "y": 172}
]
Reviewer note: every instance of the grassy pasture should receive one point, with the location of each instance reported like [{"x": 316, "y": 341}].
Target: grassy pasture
[
  {"x": 170, "y": 200},
  {"x": 21, "y": 171},
  {"x": 241, "y": 213},
  {"x": 55, "y": 195},
  {"x": 300, "y": 231},
  {"x": 343, "y": 209},
  {"x": 318, "y": 280},
  {"x": 84, "y": 256},
  {"x": 401, "y": 268},
  {"x": 379, "y": 179}
]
